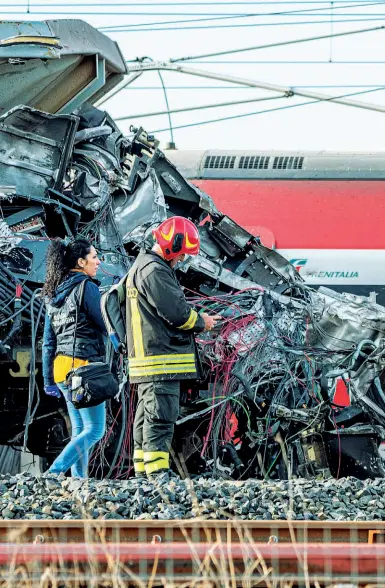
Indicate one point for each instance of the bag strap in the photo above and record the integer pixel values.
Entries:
(79, 299)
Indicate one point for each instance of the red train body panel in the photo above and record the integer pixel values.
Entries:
(306, 214)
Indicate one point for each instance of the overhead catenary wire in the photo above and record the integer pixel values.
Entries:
(202, 107)
(225, 3)
(249, 25)
(199, 87)
(93, 5)
(292, 62)
(244, 115)
(120, 13)
(236, 16)
(168, 112)
(278, 44)
(134, 76)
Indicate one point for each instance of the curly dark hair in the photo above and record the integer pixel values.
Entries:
(60, 260)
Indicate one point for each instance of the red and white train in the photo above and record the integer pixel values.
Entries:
(323, 211)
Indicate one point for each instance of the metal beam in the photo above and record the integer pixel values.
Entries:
(155, 66)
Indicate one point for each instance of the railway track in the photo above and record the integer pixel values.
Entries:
(195, 531)
(231, 553)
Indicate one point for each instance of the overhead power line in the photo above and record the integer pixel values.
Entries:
(323, 86)
(214, 17)
(288, 62)
(279, 44)
(128, 26)
(202, 107)
(285, 107)
(131, 78)
(232, 26)
(252, 3)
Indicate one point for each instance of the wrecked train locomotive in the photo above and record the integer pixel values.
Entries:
(265, 405)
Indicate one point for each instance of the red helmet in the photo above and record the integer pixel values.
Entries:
(176, 236)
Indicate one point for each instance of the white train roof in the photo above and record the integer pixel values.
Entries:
(217, 164)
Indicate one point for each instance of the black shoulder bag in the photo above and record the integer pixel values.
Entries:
(91, 384)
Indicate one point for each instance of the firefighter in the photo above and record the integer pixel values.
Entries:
(160, 341)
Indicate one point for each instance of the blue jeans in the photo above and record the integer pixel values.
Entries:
(88, 427)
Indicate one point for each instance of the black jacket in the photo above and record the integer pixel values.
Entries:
(160, 323)
(60, 321)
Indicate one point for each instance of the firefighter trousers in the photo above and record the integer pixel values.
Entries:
(156, 413)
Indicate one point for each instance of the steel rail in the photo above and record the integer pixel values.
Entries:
(192, 530)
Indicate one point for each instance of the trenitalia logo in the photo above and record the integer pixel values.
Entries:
(300, 263)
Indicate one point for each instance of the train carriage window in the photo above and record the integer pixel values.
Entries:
(219, 162)
(288, 163)
(253, 162)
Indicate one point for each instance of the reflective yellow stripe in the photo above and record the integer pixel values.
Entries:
(136, 322)
(138, 454)
(136, 328)
(138, 460)
(156, 460)
(152, 371)
(161, 359)
(27, 39)
(192, 319)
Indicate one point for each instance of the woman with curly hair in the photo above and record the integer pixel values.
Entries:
(73, 336)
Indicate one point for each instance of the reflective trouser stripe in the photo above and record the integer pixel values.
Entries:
(163, 370)
(138, 461)
(152, 365)
(162, 359)
(192, 319)
(136, 328)
(156, 460)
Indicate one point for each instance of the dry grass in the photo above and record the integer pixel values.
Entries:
(215, 570)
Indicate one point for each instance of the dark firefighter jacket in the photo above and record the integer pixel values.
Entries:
(160, 323)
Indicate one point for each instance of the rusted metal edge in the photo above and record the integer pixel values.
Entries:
(200, 523)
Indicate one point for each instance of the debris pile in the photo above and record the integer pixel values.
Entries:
(26, 497)
(265, 406)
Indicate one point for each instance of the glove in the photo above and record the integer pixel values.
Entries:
(52, 390)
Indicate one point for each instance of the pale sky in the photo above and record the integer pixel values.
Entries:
(342, 66)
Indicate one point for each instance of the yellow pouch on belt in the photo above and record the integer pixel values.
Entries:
(63, 364)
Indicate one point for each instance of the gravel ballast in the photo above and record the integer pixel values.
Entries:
(55, 497)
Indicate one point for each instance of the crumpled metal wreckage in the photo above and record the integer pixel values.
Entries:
(266, 404)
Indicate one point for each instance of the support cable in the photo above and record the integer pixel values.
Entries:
(126, 83)
(168, 107)
(236, 16)
(244, 115)
(281, 44)
(203, 107)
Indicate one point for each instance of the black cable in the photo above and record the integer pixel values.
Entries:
(123, 428)
(32, 378)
